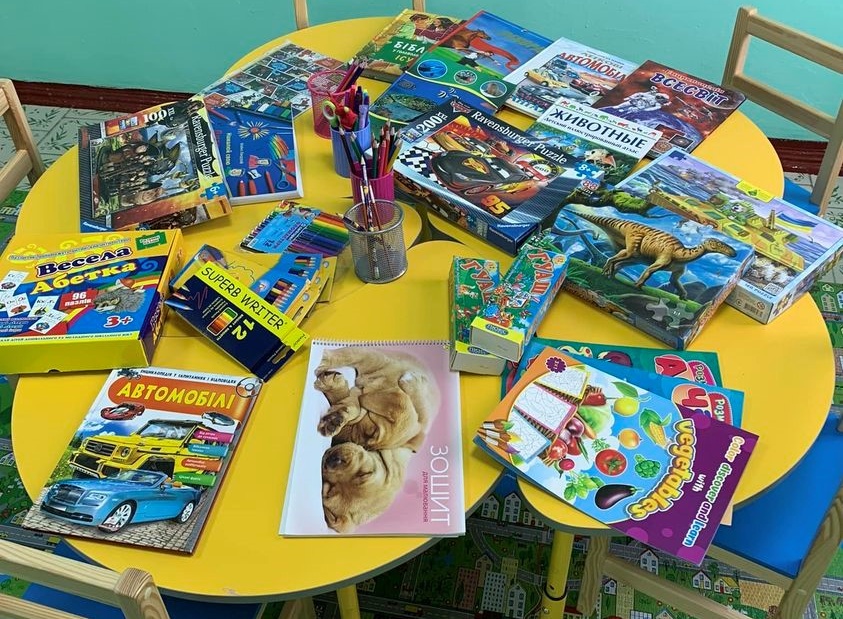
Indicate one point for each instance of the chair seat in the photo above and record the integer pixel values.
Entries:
(776, 529)
(799, 196)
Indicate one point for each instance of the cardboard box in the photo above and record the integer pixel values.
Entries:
(470, 284)
(84, 301)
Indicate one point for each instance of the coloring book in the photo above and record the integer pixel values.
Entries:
(378, 447)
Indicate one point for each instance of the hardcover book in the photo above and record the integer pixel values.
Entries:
(793, 248)
(397, 46)
(470, 63)
(378, 448)
(148, 459)
(487, 176)
(684, 108)
(155, 169)
(612, 144)
(567, 69)
(669, 489)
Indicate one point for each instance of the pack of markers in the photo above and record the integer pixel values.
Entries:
(299, 229)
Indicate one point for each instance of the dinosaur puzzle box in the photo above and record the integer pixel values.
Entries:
(648, 266)
(793, 248)
(80, 301)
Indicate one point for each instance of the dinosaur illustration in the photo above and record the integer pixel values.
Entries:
(465, 39)
(640, 243)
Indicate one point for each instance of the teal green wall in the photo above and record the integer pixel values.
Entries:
(182, 45)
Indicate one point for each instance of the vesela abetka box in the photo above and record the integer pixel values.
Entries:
(84, 301)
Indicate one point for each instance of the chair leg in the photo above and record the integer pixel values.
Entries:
(592, 577)
(348, 603)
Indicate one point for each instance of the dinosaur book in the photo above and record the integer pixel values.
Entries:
(649, 266)
(793, 248)
(487, 176)
(155, 169)
(469, 62)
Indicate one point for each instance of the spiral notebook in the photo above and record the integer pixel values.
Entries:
(378, 447)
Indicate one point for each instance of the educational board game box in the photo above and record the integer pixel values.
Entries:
(148, 459)
(487, 176)
(793, 248)
(612, 144)
(155, 169)
(396, 47)
(567, 69)
(470, 285)
(670, 489)
(469, 62)
(648, 266)
(686, 109)
(72, 302)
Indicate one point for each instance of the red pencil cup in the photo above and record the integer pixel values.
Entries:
(323, 87)
(383, 187)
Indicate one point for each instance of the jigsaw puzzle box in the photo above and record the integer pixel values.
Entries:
(486, 176)
(84, 301)
(793, 248)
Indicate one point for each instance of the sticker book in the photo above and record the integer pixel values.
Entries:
(567, 69)
(158, 168)
(469, 62)
(793, 248)
(596, 137)
(566, 426)
(71, 302)
(650, 267)
(378, 448)
(148, 459)
(487, 176)
(684, 108)
(396, 47)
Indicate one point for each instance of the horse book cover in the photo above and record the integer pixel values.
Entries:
(567, 426)
(147, 461)
(378, 448)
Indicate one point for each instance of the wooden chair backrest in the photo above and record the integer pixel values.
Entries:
(750, 24)
(25, 161)
(300, 11)
(132, 591)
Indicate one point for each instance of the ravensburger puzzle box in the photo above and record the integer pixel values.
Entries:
(83, 301)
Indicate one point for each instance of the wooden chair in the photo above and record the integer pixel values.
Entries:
(788, 537)
(26, 161)
(300, 11)
(750, 24)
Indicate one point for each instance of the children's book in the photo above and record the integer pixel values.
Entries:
(612, 144)
(567, 69)
(648, 266)
(378, 448)
(148, 459)
(487, 176)
(260, 160)
(470, 63)
(275, 84)
(793, 248)
(158, 168)
(684, 108)
(397, 46)
(669, 488)
(298, 228)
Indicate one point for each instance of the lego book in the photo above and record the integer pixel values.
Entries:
(793, 248)
(396, 47)
(567, 69)
(378, 449)
(684, 108)
(158, 168)
(148, 459)
(470, 63)
(487, 176)
(648, 266)
(619, 453)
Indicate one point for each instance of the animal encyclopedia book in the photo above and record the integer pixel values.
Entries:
(148, 459)
(378, 448)
(567, 427)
